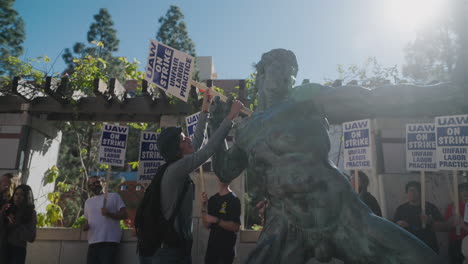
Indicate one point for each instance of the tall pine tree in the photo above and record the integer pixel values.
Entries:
(173, 31)
(101, 30)
(12, 35)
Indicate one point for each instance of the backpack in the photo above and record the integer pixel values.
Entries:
(152, 228)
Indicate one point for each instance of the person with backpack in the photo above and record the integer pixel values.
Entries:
(163, 221)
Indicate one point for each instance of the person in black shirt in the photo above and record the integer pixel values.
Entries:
(408, 216)
(366, 196)
(223, 220)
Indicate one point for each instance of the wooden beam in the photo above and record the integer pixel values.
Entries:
(54, 94)
(117, 91)
(101, 90)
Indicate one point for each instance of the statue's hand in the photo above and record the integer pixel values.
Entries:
(218, 111)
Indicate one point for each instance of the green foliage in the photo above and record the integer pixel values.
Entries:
(257, 227)
(432, 56)
(53, 197)
(79, 222)
(52, 217)
(24, 69)
(86, 70)
(102, 30)
(12, 36)
(103, 41)
(51, 175)
(173, 31)
(54, 214)
(134, 165)
(371, 74)
(123, 225)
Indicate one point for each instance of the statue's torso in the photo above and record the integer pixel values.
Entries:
(287, 146)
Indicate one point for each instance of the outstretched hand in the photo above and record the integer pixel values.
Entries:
(206, 101)
(235, 109)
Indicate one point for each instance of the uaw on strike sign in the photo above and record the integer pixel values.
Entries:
(421, 147)
(357, 145)
(192, 122)
(113, 145)
(452, 142)
(150, 158)
(169, 69)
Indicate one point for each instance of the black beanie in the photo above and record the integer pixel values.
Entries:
(168, 143)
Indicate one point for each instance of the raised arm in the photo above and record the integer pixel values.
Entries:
(199, 132)
(190, 162)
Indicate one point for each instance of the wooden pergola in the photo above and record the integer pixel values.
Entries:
(109, 102)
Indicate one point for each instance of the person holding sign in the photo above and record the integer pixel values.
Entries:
(182, 157)
(103, 223)
(455, 240)
(409, 217)
(366, 196)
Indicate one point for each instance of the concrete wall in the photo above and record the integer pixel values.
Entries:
(69, 246)
(32, 147)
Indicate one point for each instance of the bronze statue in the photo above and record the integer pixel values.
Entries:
(313, 212)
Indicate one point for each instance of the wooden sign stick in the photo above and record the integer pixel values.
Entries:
(223, 98)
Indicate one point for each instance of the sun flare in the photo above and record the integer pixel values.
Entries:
(412, 13)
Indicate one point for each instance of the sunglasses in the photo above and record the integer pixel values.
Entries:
(96, 183)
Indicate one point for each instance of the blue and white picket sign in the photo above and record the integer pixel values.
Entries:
(191, 122)
(149, 157)
(113, 145)
(169, 69)
(421, 147)
(357, 145)
(452, 142)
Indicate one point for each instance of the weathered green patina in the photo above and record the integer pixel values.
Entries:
(313, 211)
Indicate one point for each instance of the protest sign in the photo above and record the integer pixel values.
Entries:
(420, 147)
(357, 145)
(452, 142)
(169, 69)
(113, 145)
(149, 157)
(191, 122)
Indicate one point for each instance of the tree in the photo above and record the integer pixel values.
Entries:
(173, 31)
(12, 35)
(432, 56)
(370, 75)
(440, 52)
(460, 11)
(102, 42)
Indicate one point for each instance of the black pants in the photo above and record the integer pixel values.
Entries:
(16, 255)
(102, 253)
(454, 251)
(219, 257)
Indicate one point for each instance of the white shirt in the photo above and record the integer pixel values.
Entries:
(102, 228)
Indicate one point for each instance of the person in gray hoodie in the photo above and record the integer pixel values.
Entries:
(184, 157)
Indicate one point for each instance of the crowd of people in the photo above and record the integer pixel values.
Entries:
(424, 225)
(220, 213)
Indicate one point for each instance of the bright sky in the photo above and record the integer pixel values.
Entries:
(322, 33)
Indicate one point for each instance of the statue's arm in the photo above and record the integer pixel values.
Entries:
(229, 164)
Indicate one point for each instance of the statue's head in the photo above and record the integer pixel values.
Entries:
(276, 74)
